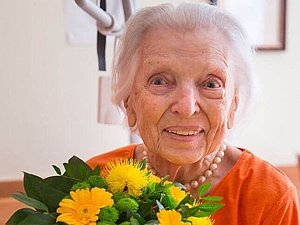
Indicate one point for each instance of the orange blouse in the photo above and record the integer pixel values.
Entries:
(255, 192)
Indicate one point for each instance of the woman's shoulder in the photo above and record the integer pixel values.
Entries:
(119, 153)
(257, 170)
(252, 173)
(255, 166)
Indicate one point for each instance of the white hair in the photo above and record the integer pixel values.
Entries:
(182, 17)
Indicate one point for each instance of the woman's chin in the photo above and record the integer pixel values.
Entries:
(183, 153)
(181, 156)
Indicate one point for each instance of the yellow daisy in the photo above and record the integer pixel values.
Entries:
(170, 217)
(177, 194)
(83, 206)
(126, 176)
(201, 220)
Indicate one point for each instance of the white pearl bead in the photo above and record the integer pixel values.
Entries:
(223, 147)
(201, 179)
(217, 160)
(194, 184)
(213, 167)
(144, 153)
(187, 187)
(220, 154)
(207, 173)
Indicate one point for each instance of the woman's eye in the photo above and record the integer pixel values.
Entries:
(160, 84)
(158, 81)
(212, 84)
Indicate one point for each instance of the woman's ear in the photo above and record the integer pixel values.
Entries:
(233, 108)
(131, 115)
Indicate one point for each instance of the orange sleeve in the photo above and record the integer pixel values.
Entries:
(285, 211)
(120, 153)
(256, 193)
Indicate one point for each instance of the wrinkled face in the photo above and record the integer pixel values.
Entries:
(183, 98)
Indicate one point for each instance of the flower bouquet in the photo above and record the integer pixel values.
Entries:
(124, 192)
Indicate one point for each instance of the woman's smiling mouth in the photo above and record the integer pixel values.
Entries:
(184, 132)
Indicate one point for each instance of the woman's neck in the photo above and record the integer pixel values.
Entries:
(180, 173)
(186, 173)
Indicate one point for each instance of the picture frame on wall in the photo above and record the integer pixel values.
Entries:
(264, 21)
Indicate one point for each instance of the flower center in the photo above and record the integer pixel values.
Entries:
(86, 211)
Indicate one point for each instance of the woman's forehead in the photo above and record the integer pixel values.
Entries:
(161, 46)
(165, 43)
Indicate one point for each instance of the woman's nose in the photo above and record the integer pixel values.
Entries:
(186, 102)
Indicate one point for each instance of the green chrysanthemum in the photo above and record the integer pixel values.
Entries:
(80, 185)
(125, 204)
(125, 223)
(109, 214)
(97, 181)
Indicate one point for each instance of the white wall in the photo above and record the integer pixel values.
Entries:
(273, 133)
(48, 94)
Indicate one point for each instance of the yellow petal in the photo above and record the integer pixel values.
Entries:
(170, 217)
(201, 220)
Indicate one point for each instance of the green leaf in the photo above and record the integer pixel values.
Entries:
(30, 217)
(187, 212)
(146, 208)
(168, 201)
(57, 169)
(49, 191)
(210, 207)
(54, 189)
(32, 185)
(78, 169)
(212, 198)
(202, 214)
(96, 170)
(139, 218)
(38, 219)
(30, 201)
(19, 216)
(203, 189)
(134, 221)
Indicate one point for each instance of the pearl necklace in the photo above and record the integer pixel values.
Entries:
(201, 179)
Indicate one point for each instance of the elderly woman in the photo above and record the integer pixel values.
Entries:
(183, 74)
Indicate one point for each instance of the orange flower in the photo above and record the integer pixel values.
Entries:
(83, 206)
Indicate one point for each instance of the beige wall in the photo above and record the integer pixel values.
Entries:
(48, 94)
(274, 131)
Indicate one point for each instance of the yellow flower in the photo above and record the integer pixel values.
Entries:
(201, 220)
(195, 203)
(154, 179)
(170, 217)
(177, 194)
(83, 206)
(126, 176)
